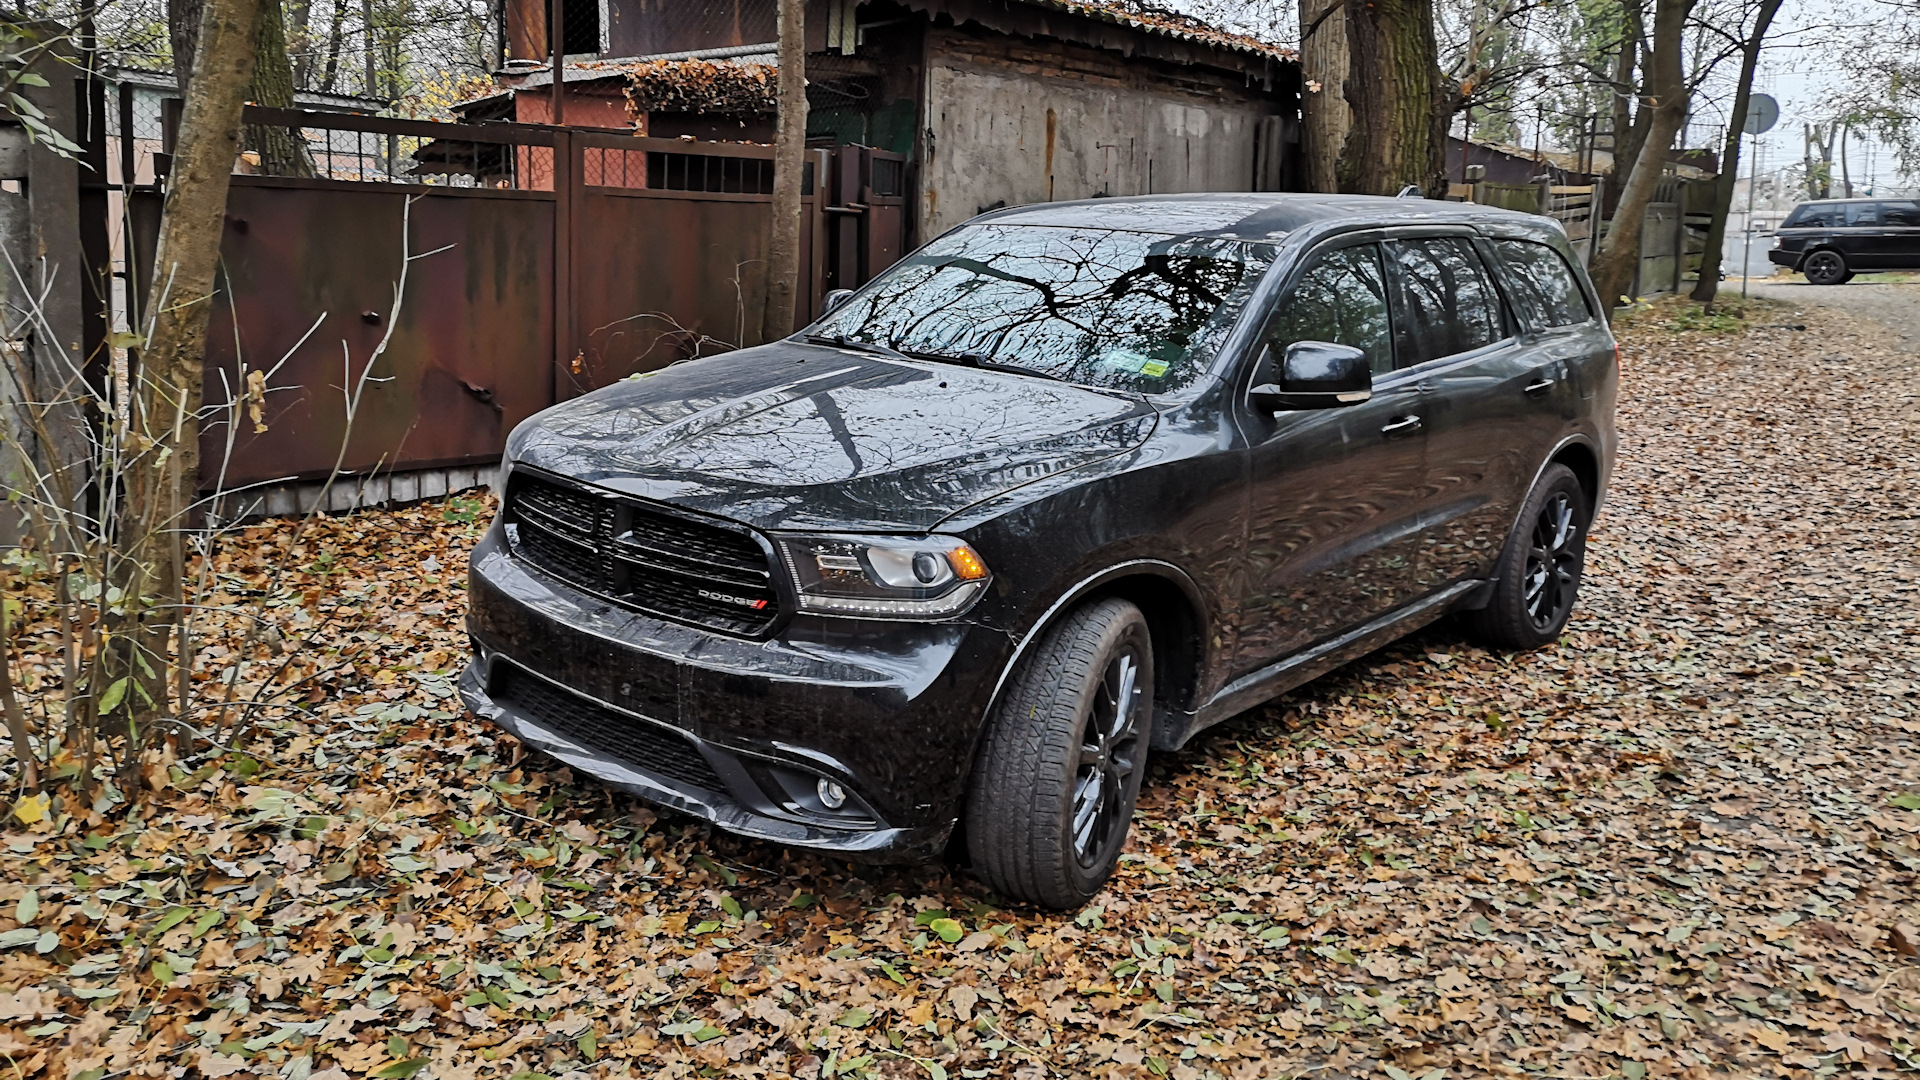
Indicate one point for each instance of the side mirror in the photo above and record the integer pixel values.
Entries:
(833, 299)
(1313, 375)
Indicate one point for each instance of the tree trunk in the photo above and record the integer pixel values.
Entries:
(789, 160)
(1622, 100)
(1631, 134)
(1708, 286)
(334, 32)
(300, 37)
(283, 151)
(1397, 95)
(1819, 169)
(1323, 70)
(372, 88)
(160, 464)
(1667, 102)
(183, 29)
(1846, 175)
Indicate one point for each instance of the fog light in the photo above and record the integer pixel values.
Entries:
(832, 795)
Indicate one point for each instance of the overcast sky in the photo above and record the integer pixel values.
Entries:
(1800, 68)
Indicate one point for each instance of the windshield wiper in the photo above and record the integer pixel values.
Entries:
(972, 360)
(975, 360)
(857, 345)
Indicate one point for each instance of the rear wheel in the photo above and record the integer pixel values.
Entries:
(1825, 268)
(1059, 769)
(1539, 573)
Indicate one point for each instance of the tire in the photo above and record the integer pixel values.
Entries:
(1059, 769)
(1825, 267)
(1538, 578)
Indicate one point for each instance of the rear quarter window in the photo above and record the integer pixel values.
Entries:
(1905, 215)
(1545, 282)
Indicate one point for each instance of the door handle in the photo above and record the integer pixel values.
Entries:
(1539, 387)
(1402, 426)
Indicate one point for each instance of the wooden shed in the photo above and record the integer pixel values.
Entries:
(992, 102)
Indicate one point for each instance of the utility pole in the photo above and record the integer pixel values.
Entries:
(1746, 250)
(557, 30)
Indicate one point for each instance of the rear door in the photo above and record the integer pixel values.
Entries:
(1900, 234)
(1473, 373)
(1861, 239)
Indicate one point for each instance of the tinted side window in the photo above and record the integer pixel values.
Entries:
(1809, 216)
(1902, 214)
(1450, 306)
(1542, 274)
(1341, 298)
(1863, 214)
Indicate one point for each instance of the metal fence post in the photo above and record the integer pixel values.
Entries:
(566, 371)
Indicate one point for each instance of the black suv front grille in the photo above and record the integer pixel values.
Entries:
(646, 746)
(693, 571)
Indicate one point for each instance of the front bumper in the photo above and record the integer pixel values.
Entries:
(737, 731)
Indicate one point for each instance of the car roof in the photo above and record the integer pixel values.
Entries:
(1258, 215)
(1856, 199)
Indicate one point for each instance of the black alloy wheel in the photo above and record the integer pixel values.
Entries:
(1109, 756)
(1059, 768)
(1825, 268)
(1538, 577)
(1553, 563)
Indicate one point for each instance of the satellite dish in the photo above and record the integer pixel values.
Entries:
(1762, 113)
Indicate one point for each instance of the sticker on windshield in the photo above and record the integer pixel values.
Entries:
(1133, 363)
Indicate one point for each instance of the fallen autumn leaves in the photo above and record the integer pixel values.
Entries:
(1683, 842)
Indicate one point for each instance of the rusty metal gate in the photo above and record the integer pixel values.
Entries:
(530, 264)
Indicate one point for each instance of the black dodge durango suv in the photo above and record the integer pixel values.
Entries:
(1071, 482)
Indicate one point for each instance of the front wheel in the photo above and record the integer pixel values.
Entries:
(1059, 769)
(1825, 268)
(1539, 573)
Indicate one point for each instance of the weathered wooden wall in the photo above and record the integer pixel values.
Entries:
(1015, 122)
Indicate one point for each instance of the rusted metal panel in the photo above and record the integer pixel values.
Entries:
(663, 273)
(648, 250)
(469, 355)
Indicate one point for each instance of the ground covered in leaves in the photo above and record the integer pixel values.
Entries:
(1685, 842)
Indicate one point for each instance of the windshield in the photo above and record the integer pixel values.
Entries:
(1123, 310)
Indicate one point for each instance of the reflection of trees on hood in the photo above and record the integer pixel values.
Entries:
(1057, 298)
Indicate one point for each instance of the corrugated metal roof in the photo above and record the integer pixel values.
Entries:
(1167, 24)
(1115, 12)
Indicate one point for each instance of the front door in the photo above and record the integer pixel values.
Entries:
(1333, 537)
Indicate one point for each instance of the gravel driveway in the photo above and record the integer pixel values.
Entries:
(1892, 306)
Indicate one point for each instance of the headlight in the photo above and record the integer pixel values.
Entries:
(884, 577)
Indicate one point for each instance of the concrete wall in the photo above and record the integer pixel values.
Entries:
(300, 498)
(1014, 122)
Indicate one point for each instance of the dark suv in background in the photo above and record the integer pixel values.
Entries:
(1831, 240)
(1072, 481)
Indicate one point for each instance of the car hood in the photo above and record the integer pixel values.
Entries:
(801, 436)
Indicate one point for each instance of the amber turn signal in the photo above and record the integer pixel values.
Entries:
(966, 562)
